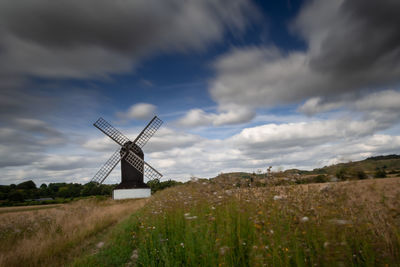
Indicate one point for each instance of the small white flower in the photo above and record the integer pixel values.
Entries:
(304, 219)
(279, 197)
(182, 245)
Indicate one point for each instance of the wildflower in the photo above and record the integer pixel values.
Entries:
(257, 226)
(326, 244)
(135, 255)
(279, 197)
(271, 231)
(213, 208)
(339, 221)
(182, 245)
(304, 219)
(222, 250)
(186, 214)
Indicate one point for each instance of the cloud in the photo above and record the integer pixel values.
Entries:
(26, 141)
(81, 39)
(303, 134)
(231, 115)
(141, 111)
(341, 60)
(301, 145)
(316, 105)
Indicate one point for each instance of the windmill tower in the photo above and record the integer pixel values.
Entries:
(133, 166)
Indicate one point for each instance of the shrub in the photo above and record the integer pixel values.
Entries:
(341, 174)
(320, 179)
(380, 173)
(361, 175)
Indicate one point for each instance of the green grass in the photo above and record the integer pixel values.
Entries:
(195, 226)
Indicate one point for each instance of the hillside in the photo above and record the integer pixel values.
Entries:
(374, 167)
(391, 164)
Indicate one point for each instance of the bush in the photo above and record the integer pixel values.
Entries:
(319, 179)
(380, 173)
(341, 174)
(361, 175)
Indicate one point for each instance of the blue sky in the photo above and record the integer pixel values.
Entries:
(241, 85)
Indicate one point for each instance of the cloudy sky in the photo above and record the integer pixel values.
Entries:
(240, 85)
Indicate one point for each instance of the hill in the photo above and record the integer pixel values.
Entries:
(373, 167)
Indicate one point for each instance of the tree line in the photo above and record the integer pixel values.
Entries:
(28, 192)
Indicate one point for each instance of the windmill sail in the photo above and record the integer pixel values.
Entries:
(149, 172)
(110, 164)
(110, 131)
(148, 132)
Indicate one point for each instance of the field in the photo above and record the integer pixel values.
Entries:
(52, 235)
(353, 223)
(214, 223)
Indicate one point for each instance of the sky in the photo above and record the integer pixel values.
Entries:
(240, 85)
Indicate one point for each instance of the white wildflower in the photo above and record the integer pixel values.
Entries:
(304, 219)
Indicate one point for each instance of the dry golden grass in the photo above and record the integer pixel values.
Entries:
(43, 237)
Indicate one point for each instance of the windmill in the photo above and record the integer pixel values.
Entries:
(133, 166)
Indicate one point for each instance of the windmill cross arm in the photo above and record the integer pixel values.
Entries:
(148, 132)
(148, 171)
(110, 131)
(106, 169)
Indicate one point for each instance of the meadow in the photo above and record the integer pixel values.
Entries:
(209, 223)
(53, 235)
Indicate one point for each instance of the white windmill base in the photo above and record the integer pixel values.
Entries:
(131, 193)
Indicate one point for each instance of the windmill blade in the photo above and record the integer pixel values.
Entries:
(149, 172)
(110, 164)
(148, 132)
(110, 131)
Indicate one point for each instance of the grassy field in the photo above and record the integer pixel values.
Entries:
(53, 235)
(354, 223)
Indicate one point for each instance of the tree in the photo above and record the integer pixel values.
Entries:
(43, 186)
(27, 185)
(16, 196)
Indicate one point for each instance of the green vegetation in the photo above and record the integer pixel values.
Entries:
(203, 224)
(26, 193)
(157, 185)
(380, 173)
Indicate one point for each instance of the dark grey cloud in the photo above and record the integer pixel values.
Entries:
(94, 38)
(353, 49)
(367, 37)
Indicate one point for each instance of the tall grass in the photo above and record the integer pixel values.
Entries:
(349, 224)
(45, 237)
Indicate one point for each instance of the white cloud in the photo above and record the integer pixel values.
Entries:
(315, 105)
(141, 111)
(233, 114)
